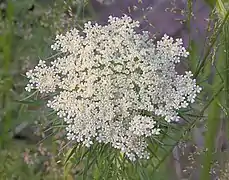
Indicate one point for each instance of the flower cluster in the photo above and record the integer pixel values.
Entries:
(112, 83)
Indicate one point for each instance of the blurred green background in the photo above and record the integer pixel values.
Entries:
(27, 29)
(32, 146)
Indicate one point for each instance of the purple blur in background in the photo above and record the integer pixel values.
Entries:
(158, 13)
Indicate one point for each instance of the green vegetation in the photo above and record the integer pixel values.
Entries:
(27, 28)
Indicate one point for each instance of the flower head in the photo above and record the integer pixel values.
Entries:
(112, 83)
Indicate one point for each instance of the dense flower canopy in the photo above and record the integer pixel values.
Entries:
(112, 83)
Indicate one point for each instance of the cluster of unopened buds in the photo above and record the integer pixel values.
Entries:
(111, 84)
